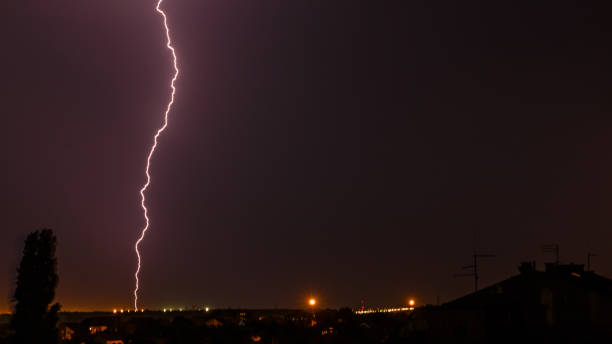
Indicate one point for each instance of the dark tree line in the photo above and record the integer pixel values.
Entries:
(35, 319)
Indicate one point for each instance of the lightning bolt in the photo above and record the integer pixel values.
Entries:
(152, 150)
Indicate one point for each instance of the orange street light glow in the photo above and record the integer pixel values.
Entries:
(411, 302)
(312, 302)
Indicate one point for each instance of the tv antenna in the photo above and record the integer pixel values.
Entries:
(474, 267)
(589, 255)
(552, 248)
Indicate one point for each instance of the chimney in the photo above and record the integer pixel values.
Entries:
(527, 267)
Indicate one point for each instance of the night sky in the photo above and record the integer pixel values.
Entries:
(344, 149)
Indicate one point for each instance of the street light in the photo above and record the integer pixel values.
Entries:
(312, 302)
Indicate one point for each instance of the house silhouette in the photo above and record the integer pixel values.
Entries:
(563, 302)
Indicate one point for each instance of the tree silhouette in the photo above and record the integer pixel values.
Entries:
(34, 321)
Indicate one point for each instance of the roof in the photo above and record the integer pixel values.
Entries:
(527, 287)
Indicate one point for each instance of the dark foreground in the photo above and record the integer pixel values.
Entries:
(424, 325)
(229, 326)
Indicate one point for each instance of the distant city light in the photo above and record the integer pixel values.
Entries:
(411, 302)
(164, 310)
(121, 310)
(384, 310)
(312, 302)
(114, 311)
(207, 309)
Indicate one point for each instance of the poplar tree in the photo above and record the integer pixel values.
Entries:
(34, 319)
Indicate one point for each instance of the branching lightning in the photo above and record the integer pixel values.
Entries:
(152, 150)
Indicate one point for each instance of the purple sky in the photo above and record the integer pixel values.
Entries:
(346, 149)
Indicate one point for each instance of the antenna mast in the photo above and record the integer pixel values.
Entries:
(474, 268)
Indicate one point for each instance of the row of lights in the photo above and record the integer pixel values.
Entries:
(115, 311)
(121, 311)
(311, 302)
(411, 304)
(385, 310)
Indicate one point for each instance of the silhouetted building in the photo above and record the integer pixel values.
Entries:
(563, 300)
(97, 329)
(213, 323)
(66, 333)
